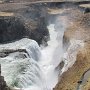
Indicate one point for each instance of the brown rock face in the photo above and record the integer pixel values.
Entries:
(11, 28)
(70, 79)
(79, 30)
(14, 27)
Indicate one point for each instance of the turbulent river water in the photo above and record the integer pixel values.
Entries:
(51, 57)
(26, 66)
(29, 67)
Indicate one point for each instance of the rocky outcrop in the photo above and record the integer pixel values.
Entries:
(70, 79)
(17, 27)
(35, 20)
(11, 28)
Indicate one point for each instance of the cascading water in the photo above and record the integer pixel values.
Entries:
(20, 67)
(26, 66)
(51, 56)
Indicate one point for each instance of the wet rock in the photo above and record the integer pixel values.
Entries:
(11, 28)
(60, 66)
(14, 28)
(35, 21)
(27, 22)
(3, 85)
(87, 10)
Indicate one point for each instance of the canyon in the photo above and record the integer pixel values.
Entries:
(51, 43)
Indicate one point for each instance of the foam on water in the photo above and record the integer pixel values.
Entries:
(51, 57)
(21, 69)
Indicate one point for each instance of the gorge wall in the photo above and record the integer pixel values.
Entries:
(78, 30)
(14, 28)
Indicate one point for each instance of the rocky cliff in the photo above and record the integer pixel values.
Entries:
(24, 25)
(78, 30)
(32, 22)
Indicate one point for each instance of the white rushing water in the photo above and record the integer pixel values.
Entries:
(21, 69)
(51, 57)
(32, 68)
(26, 66)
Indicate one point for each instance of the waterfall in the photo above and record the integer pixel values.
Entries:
(20, 66)
(51, 56)
(26, 66)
